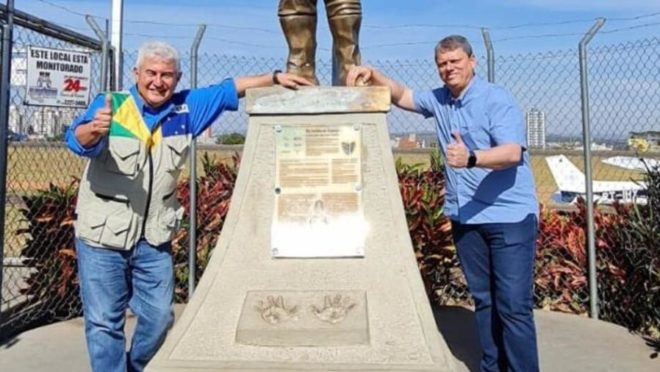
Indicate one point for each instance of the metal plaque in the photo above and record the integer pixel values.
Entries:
(318, 199)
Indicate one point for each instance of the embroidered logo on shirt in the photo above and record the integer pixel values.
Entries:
(179, 109)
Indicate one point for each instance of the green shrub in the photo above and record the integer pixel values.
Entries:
(640, 251)
(230, 139)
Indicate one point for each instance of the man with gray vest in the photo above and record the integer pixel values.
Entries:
(137, 143)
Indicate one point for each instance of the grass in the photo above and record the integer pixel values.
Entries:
(34, 166)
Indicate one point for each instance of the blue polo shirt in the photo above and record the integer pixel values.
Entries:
(486, 115)
(204, 105)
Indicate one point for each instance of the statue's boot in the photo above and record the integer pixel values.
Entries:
(298, 21)
(344, 18)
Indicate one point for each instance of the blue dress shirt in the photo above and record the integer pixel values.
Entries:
(486, 115)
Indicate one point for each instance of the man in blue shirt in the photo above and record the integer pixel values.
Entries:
(490, 197)
(137, 142)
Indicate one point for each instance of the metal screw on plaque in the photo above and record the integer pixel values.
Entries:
(278, 191)
(275, 251)
(359, 251)
(357, 187)
(278, 128)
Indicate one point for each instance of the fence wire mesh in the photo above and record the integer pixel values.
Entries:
(625, 106)
(36, 267)
(624, 98)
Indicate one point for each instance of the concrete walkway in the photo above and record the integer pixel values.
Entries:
(566, 343)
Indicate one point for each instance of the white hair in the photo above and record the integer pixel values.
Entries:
(158, 49)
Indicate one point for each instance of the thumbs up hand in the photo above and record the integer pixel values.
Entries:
(457, 152)
(101, 122)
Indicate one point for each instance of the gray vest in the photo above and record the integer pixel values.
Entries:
(129, 190)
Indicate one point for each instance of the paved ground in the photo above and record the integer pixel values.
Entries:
(566, 343)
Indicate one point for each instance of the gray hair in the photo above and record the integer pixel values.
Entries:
(158, 49)
(453, 42)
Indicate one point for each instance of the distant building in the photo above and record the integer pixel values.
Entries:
(408, 143)
(535, 120)
(47, 122)
(644, 141)
(595, 147)
(15, 119)
(414, 141)
(428, 140)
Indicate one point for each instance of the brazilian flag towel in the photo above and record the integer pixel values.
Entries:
(127, 121)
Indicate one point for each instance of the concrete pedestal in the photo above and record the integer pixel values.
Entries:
(363, 309)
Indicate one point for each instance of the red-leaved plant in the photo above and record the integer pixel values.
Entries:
(214, 190)
(423, 195)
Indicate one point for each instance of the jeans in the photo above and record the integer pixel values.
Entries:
(111, 281)
(498, 263)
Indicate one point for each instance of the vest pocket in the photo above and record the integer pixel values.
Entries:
(105, 229)
(116, 231)
(168, 222)
(169, 219)
(122, 155)
(91, 227)
(176, 153)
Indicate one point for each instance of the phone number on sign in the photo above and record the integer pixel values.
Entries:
(73, 102)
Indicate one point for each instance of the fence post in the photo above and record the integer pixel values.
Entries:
(117, 36)
(112, 78)
(5, 86)
(192, 233)
(103, 86)
(108, 57)
(586, 138)
(490, 54)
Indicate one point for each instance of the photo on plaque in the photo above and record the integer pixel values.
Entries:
(318, 192)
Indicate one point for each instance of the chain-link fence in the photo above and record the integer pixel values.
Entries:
(419, 74)
(624, 102)
(37, 160)
(623, 98)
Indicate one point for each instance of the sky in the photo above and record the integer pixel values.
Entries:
(390, 29)
(535, 43)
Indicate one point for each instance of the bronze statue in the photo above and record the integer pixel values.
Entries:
(298, 20)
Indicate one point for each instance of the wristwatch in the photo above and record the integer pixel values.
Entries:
(472, 160)
(276, 81)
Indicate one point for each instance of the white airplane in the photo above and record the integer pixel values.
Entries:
(632, 163)
(571, 185)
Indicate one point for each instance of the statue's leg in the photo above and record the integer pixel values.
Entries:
(298, 20)
(344, 18)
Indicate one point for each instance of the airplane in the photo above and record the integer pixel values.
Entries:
(632, 162)
(571, 185)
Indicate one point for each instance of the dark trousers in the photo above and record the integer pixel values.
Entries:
(498, 263)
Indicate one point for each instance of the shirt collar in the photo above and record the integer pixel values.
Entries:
(465, 94)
